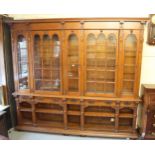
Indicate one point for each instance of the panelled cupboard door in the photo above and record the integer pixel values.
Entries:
(73, 62)
(100, 62)
(130, 62)
(21, 58)
(47, 61)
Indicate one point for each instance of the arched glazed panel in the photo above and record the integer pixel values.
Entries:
(130, 52)
(73, 63)
(47, 62)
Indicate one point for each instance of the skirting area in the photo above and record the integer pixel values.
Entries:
(20, 135)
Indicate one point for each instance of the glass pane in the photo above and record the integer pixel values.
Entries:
(47, 62)
(101, 53)
(73, 63)
(47, 51)
(130, 49)
(22, 62)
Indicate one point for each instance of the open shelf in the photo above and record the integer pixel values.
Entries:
(53, 124)
(49, 111)
(99, 114)
(26, 109)
(73, 122)
(76, 113)
(125, 123)
(99, 123)
(52, 120)
(26, 117)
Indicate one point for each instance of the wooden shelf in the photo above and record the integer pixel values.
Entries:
(99, 114)
(49, 123)
(105, 82)
(27, 121)
(100, 70)
(96, 127)
(129, 65)
(25, 109)
(47, 80)
(126, 116)
(49, 111)
(73, 78)
(125, 128)
(48, 68)
(128, 80)
(77, 113)
(73, 125)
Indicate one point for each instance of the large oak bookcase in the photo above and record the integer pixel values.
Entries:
(78, 76)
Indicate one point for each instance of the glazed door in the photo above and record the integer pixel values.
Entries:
(130, 68)
(21, 59)
(47, 69)
(73, 62)
(100, 62)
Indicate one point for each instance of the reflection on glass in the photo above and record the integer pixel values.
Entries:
(47, 62)
(130, 49)
(22, 62)
(73, 63)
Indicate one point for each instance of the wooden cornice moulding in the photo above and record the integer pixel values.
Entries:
(112, 19)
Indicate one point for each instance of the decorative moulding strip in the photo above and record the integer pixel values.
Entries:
(79, 19)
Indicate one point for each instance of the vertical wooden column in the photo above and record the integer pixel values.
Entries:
(117, 116)
(82, 114)
(134, 117)
(65, 114)
(120, 60)
(19, 119)
(82, 59)
(33, 105)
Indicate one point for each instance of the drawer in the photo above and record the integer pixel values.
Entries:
(152, 98)
(150, 121)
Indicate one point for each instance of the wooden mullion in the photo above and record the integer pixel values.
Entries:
(117, 117)
(134, 118)
(120, 63)
(33, 105)
(19, 117)
(82, 115)
(65, 114)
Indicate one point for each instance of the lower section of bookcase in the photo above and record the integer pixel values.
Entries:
(75, 132)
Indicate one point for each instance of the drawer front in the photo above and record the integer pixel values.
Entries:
(150, 121)
(152, 98)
